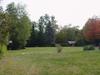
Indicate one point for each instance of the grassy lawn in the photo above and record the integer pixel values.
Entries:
(46, 61)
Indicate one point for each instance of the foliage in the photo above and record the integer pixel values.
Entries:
(4, 31)
(34, 36)
(91, 30)
(50, 29)
(69, 33)
(89, 47)
(41, 29)
(43, 32)
(20, 26)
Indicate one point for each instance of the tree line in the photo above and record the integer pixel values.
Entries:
(43, 32)
(17, 31)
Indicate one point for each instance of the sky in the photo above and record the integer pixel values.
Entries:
(75, 12)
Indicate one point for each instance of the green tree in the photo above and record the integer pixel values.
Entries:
(34, 36)
(50, 29)
(41, 30)
(4, 31)
(20, 26)
(69, 33)
(61, 37)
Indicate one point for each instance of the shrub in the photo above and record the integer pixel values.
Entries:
(59, 48)
(89, 47)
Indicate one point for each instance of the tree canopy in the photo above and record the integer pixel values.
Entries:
(20, 26)
(91, 30)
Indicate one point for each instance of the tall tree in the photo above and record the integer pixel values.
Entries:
(20, 26)
(91, 30)
(50, 30)
(41, 31)
(4, 30)
(34, 36)
(54, 28)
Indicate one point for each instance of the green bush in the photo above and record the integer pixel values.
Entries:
(89, 47)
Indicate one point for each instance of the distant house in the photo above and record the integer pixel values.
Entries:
(72, 43)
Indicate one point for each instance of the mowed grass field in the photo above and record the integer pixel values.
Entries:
(46, 61)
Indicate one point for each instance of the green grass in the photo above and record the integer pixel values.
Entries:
(46, 61)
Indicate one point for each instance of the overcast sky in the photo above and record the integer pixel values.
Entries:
(75, 12)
